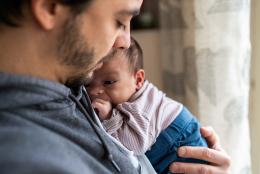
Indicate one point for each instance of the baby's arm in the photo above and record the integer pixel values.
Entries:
(103, 108)
(183, 131)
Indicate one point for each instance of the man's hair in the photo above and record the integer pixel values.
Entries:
(134, 55)
(11, 11)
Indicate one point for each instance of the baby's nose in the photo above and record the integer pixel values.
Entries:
(96, 91)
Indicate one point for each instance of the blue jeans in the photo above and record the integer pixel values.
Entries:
(183, 131)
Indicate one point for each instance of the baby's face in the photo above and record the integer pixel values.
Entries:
(113, 82)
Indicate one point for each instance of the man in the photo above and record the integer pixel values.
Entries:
(44, 126)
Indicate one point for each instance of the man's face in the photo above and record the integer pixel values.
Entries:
(87, 38)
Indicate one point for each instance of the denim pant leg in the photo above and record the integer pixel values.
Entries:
(183, 131)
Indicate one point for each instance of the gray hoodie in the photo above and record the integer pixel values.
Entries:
(45, 129)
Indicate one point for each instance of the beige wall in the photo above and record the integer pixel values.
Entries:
(149, 41)
(255, 88)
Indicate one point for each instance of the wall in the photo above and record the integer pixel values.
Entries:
(255, 88)
(149, 41)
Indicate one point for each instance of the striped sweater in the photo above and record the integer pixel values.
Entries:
(138, 122)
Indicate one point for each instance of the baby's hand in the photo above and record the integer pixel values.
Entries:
(103, 107)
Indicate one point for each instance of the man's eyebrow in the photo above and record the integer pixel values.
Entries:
(133, 13)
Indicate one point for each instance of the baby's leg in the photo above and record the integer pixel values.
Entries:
(183, 131)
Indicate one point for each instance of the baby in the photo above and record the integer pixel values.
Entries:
(138, 114)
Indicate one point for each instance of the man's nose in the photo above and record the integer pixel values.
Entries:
(123, 40)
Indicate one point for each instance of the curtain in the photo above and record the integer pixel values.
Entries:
(206, 65)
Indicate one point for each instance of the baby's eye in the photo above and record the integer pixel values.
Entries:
(109, 82)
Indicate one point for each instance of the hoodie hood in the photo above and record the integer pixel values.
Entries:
(21, 91)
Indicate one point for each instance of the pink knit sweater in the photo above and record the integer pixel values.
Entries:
(138, 122)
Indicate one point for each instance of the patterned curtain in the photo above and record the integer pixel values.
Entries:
(206, 64)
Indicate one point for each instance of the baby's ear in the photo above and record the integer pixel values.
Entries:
(139, 77)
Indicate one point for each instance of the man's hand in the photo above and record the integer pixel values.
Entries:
(219, 161)
(104, 108)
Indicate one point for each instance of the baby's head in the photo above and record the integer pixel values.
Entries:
(120, 76)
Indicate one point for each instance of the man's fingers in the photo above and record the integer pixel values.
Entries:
(213, 156)
(211, 137)
(219, 161)
(191, 168)
(206, 131)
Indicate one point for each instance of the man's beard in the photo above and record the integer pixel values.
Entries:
(75, 54)
(83, 79)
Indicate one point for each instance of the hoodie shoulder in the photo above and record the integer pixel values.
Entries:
(27, 149)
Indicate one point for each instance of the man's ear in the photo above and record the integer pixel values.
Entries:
(47, 13)
(140, 77)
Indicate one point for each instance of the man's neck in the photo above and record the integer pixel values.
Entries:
(21, 53)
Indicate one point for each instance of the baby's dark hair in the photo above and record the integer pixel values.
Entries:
(134, 54)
